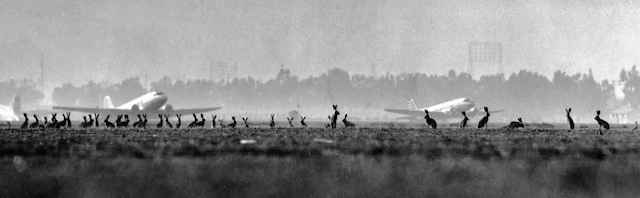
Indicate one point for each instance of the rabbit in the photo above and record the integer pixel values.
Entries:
(90, 123)
(25, 124)
(213, 121)
(463, 123)
(571, 125)
(601, 122)
(272, 124)
(290, 124)
(233, 124)
(246, 120)
(135, 124)
(179, 121)
(84, 123)
(302, 121)
(195, 120)
(161, 123)
(68, 119)
(430, 121)
(97, 116)
(335, 116)
(44, 125)
(126, 121)
(514, 124)
(63, 122)
(483, 122)
(201, 123)
(54, 121)
(107, 123)
(143, 124)
(166, 119)
(347, 124)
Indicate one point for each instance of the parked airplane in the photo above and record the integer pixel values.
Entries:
(8, 113)
(150, 103)
(446, 110)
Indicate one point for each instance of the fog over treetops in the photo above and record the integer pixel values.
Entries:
(114, 40)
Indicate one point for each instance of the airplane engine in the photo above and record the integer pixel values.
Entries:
(135, 108)
(168, 107)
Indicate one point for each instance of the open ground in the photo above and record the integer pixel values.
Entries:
(378, 160)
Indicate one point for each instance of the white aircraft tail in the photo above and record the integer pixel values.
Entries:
(411, 105)
(15, 104)
(107, 102)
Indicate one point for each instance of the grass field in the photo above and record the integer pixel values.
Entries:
(382, 161)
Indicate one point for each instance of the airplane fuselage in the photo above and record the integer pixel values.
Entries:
(447, 110)
(456, 105)
(149, 101)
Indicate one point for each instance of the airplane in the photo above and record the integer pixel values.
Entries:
(150, 103)
(443, 111)
(8, 113)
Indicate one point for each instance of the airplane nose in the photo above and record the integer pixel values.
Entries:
(163, 98)
(471, 104)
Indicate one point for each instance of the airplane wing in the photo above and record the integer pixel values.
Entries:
(97, 110)
(192, 111)
(417, 113)
(109, 111)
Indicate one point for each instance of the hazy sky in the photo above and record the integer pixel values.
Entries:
(108, 40)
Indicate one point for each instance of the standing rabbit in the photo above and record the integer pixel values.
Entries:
(571, 125)
(483, 122)
(246, 120)
(601, 122)
(302, 121)
(272, 124)
(464, 121)
(430, 121)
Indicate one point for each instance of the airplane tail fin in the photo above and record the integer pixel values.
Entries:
(15, 104)
(107, 102)
(411, 105)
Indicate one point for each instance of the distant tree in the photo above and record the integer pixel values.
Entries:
(27, 89)
(65, 95)
(631, 87)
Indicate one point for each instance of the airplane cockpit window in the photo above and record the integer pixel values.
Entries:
(159, 93)
(466, 100)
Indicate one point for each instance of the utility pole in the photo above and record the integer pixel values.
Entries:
(42, 73)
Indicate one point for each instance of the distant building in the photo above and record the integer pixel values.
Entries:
(622, 115)
(617, 90)
(485, 58)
